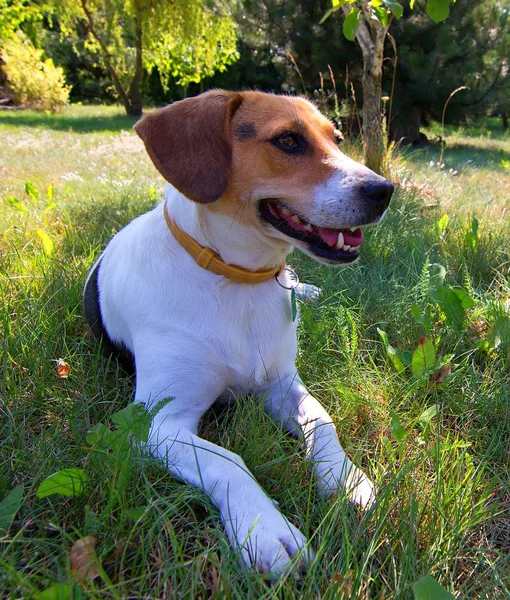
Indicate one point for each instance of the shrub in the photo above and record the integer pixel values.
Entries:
(37, 82)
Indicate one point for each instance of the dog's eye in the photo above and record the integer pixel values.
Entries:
(339, 138)
(289, 142)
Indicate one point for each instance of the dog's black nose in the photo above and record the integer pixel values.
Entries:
(378, 191)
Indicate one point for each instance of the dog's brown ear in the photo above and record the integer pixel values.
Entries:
(190, 143)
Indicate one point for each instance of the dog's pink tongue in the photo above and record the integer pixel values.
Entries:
(353, 238)
(330, 236)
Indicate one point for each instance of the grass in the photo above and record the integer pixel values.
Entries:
(442, 508)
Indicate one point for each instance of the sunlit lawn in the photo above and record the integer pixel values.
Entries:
(442, 507)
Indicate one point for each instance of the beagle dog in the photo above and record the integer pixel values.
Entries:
(196, 296)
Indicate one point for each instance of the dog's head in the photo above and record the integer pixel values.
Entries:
(277, 158)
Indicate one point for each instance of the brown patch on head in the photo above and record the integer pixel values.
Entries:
(245, 131)
(260, 168)
(190, 143)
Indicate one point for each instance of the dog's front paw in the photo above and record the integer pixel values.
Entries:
(357, 485)
(359, 488)
(266, 540)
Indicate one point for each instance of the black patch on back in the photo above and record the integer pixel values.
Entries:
(92, 310)
(245, 131)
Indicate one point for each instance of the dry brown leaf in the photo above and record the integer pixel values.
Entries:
(83, 558)
(438, 377)
(63, 369)
(344, 583)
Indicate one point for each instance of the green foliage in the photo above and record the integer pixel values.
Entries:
(16, 13)
(9, 507)
(36, 81)
(67, 482)
(471, 237)
(427, 588)
(383, 11)
(453, 301)
(185, 40)
(395, 356)
(132, 422)
(441, 488)
(424, 357)
(351, 24)
(60, 591)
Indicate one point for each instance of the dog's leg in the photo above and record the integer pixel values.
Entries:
(263, 536)
(290, 404)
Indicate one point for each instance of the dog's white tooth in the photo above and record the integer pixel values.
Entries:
(352, 250)
(285, 212)
(346, 248)
(295, 218)
(340, 241)
(307, 227)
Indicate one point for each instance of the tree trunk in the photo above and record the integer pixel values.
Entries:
(135, 97)
(125, 97)
(370, 36)
(372, 116)
(504, 119)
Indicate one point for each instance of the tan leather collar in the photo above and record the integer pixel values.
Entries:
(209, 260)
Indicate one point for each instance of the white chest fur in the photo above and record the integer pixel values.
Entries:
(150, 288)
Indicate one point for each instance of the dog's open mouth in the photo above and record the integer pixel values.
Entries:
(333, 245)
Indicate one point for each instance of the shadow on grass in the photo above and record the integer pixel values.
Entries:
(458, 156)
(78, 123)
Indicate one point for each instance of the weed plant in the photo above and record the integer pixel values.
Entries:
(434, 434)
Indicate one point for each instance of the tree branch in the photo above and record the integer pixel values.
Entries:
(115, 78)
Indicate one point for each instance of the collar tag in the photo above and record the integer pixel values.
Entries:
(293, 304)
(294, 282)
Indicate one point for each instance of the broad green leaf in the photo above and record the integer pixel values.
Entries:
(438, 10)
(67, 482)
(424, 357)
(474, 225)
(57, 591)
(31, 190)
(392, 353)
(382, 15)
(427, 415)
(135, 420)
(17, 204)
(100, 436)
(411, 4)
(421, 318)
(396, 8)
(450, 304)
(50, 206)
(499, 333)
(351, 24)
(47, 242)
(442, 224)
(407, 357)
(465, 298)
(437, 274)
(398, 432)
(9, 507)
(49, 193)
(135, 513)
(427, 588)
(471, 240)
